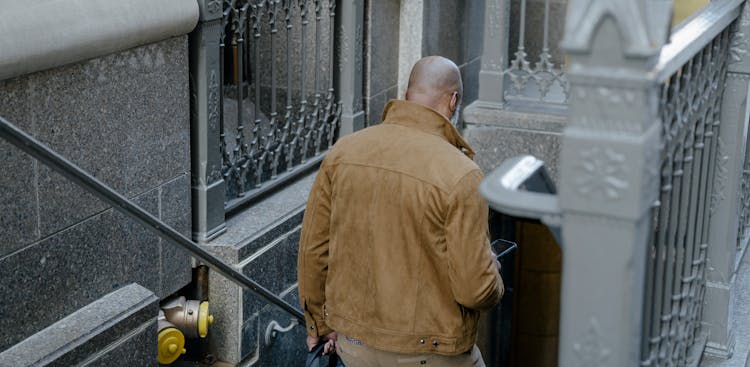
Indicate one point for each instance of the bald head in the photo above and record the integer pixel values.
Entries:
(435, 82)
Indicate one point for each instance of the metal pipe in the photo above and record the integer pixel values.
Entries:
(522, 27)
(226, 161)
(316, 86)
(302, 123)
(272, 144)
(257, 155)
(80, 177)
(289, 116)
(545, 43)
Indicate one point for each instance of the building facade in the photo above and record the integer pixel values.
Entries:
(212, 116)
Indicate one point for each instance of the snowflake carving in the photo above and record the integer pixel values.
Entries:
(721, 175)
(213, 101)
(358, 62)
(345, 46)
(214, 6)
(653, 163)
(602, 174)
(591, 351)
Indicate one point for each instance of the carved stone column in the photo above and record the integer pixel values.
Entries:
(494, 54)
(725, 205)
(609, 177)
(207, 184)
(351, 28)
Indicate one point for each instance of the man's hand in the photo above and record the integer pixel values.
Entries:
(329, 339)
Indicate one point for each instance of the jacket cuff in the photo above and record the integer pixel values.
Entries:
(314, 326)
(317, 328)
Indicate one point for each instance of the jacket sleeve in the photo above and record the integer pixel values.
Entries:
(312, 260)
(474, 278)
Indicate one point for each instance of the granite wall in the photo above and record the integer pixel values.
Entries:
(497, 135)
(450, 28)
(454, 28)
(125, 119)
(381, 56)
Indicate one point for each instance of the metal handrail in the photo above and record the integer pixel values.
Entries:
(28, 144)
(502, 191)
(693, 35)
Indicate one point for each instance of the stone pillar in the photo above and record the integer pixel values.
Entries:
(495, 54)
(608, 177)
(725, 205)
(411, 23)
(351, 23)
(208, 191)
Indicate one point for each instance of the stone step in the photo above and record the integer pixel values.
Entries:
(117, 329)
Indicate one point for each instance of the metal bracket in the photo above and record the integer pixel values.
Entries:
(502, 191)
(274, 328)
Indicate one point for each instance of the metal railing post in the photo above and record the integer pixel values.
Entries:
(494, 54)
(609, 177)
(725, 198)
(350, 24)
(207, 184)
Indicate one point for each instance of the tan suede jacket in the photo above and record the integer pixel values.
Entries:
(394, 249)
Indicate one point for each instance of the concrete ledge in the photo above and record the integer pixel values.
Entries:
(39, 35)
(109, 324)
(542, 118)
(261, 241)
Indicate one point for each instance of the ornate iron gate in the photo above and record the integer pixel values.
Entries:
(273, 83)
(279, 112)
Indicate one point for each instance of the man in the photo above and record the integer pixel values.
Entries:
(394, 261)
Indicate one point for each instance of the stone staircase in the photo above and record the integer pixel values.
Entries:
(117, 329)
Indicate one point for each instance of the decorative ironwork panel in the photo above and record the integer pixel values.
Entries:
(689, 108)
(539, 77)
(279, 110)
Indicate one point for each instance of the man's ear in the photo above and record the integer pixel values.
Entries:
(454, 102)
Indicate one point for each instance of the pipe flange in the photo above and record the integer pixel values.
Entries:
(171, 345)
(190, 316)
(204, 319)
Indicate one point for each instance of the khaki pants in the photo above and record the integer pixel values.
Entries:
(355, 354)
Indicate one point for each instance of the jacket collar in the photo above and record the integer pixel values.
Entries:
(417, 116)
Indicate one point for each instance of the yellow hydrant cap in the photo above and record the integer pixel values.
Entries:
(171, 345)
(204, 319)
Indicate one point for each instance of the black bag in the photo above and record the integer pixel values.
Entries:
(316, 354)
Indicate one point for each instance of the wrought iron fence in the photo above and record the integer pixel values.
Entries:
(689, 108)
(279, 111)
(539, 76)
